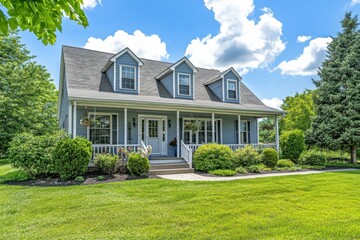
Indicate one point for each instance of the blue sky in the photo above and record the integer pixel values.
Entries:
(275, 45)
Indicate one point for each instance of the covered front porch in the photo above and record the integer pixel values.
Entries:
(131, 127)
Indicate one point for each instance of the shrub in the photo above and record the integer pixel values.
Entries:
(138, 165)
(246, 157)
(72, 157)
(107, 163)
(241, 170)
(270, 157)
(223, 172)
(313, 158)
(213, 156)
(258, 168)
(292, 144)
(285, 163)
(33, 154)
(80, 179)
(100, 177)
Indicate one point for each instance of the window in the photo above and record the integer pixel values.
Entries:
(231, 89)
(127, 77)
(184, 84)
(153, 128)
(244, 132)
(100, 129)
(204, 135)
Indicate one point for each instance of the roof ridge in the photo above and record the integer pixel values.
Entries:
(87, 49)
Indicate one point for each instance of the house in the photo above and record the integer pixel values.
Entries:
(132, 102)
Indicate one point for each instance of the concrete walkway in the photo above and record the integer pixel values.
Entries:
(197, 177)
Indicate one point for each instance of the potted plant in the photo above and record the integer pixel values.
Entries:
(85, 122)
(193, 126)
(173, 143)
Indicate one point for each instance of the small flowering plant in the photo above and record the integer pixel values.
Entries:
(173, 142)
(145, 152)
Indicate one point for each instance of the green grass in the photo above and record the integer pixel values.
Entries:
(7, 173)
(320, 206)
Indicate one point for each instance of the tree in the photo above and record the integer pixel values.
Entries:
(337, 104)
(300, 111)
(267, 130)
(42, 17)
(27, 94)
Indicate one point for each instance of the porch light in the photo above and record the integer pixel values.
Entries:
(169, 123)
(134, 122)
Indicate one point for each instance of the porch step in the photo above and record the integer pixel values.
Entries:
(168, 166)
(167, 161)
(171, 171)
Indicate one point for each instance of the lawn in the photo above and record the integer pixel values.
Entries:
(320, 206)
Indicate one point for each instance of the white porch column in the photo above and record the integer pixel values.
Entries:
(70, 120)
(125, 127)
(239, 131)
(177, 134)
(277, 133)
(213, 126)
(74, 121)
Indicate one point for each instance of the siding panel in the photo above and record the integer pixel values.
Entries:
(184, 68)
(167, 81)
(232, 76)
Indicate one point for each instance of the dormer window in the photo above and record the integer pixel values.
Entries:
(127, 77)
(232, 89)
(184, 84)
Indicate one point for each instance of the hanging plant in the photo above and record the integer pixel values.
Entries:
(193, 126)
(85, 122)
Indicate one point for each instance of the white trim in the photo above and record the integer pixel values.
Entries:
(74, 120)
(184, 59)
(127, 50)
(227, 89)
(173, 84)
(117, 127)
(111, 126)
(120, 79)
(277, 133)
(223, 89)
(70, 120)
(177, 133)
(257, 129)
(138, 77)
(125, 127)
(178, 84)
(239, 131)
(115, 65)
(213, 126)
(193, 82)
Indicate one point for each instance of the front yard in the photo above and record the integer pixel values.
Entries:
(295, 207)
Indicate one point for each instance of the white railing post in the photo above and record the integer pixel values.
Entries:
(125, 127)
(186, 153)
(277, 133)
(74, 120)
(177, 134)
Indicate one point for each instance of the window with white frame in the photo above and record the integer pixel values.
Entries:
(184, 84)
(231, 89)
(204, 135)
(128, 77)
(100, 128)
(244, 132)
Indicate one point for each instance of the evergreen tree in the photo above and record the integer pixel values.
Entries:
(336, 125)
(267, 130)
(27, 94)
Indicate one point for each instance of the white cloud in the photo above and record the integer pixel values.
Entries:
(241, 42)
(273, 102)
(354, 2)
(309, 61)
(142, 45)
(89, 4)
(303, 39)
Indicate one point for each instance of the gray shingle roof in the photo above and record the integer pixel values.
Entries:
(85, 80)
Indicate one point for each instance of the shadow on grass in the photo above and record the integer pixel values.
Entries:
(4, 161)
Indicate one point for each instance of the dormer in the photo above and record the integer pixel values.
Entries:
(179, 79)
(226, 86)
(123, 71)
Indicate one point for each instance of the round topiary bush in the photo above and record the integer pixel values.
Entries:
(292, 144)
(313, 158)
(247, 156)
(270, 157)
(72, 157)
(285, 163)
(138, 165)
(213, 156)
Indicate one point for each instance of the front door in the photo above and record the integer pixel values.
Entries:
(153, 136)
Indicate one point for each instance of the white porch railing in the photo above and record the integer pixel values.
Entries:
(112, 148)
(186, 153)
(233, 147)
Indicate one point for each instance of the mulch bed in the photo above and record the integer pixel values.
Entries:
(90, 178)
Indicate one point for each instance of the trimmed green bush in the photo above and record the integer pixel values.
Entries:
(72, 157)
(138, 165)
(258, 168)
(285, 163)
(223, 172)
(107, 163)
(33, 154)
(80, 179)
(292, 144)
(241, 170)
(246, 157)
(270, 157)
(213, 156)
(313, 158)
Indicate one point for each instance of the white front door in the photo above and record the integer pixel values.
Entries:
(153, 135)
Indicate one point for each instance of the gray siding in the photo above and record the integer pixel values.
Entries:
(184, 68)
(64, 107)
(216, 87)
(127, 60)
(110, 75)
(231, 75)
(168, 83)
